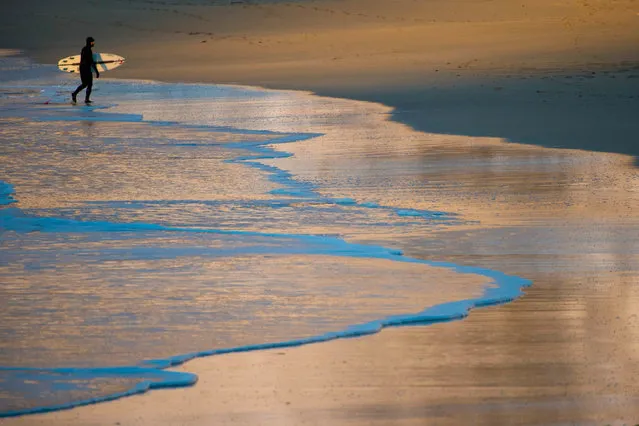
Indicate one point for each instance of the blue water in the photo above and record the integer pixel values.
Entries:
(157, 227)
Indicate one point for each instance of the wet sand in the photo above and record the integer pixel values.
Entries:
(566, 353)
(524, 371)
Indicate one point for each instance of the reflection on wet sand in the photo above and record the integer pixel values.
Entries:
(566, 352)
(145, 242)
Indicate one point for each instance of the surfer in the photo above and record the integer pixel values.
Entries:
(87, 66)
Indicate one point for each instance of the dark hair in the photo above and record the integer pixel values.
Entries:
(90, 40)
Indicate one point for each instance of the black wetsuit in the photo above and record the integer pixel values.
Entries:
(87, 66)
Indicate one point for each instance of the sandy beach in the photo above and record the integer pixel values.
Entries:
(518, 116)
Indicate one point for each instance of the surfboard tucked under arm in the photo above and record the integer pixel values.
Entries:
(103, 61)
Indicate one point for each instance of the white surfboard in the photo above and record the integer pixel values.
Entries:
(103, 61)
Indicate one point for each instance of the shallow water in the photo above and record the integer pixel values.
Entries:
(148, 229)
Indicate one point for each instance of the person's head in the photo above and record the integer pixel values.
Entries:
(90, 41)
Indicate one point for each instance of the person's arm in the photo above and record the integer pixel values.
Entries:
(95, 67)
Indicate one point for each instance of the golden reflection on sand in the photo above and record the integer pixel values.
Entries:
(114, 161)
(563, 218)
(363, 155)
(567, 351)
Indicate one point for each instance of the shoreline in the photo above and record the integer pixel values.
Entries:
(429, 61)
(557, 99)
(552, 99)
